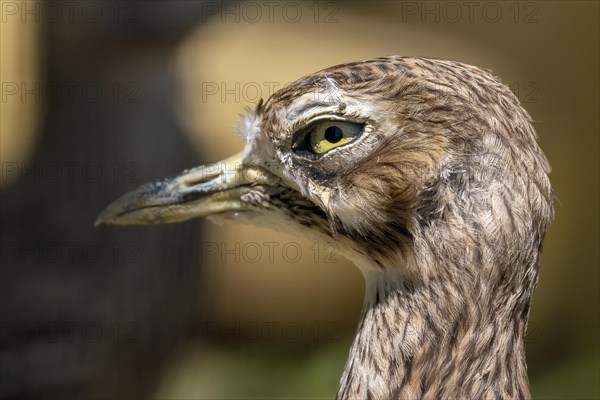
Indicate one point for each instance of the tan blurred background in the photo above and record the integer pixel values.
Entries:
(281, 326)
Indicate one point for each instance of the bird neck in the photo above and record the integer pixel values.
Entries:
(433, 339)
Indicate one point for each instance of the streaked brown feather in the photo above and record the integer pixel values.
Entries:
(451, 202)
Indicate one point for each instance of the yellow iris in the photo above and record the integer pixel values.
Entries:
(331, 134)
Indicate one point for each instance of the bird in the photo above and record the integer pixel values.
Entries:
(428, 175)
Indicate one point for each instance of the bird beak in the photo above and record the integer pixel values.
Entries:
(198, 192)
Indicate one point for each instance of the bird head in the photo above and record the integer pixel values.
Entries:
(396, 158)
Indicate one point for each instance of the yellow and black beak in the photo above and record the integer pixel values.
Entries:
(201, 191)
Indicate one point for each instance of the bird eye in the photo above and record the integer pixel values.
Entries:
(327, 135)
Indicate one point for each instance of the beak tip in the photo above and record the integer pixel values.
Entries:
(108, 216)
(102, 219)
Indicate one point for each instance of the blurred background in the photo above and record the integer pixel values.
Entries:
(98, 97)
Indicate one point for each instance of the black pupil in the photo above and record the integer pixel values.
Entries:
(334, 134)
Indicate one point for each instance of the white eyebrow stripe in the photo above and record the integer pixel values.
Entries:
(332, 88)
(295, 113)
(326, 95)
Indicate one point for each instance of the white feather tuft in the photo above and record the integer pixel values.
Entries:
(249, 127)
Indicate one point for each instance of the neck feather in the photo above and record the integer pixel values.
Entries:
(435, 339)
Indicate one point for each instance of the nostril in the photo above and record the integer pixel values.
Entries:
(202, 178)
(198, 177)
